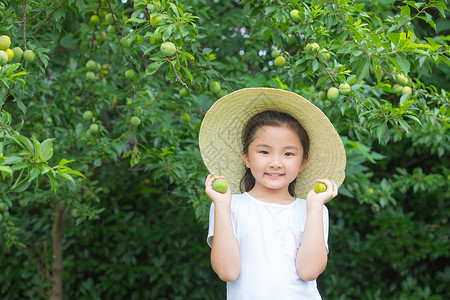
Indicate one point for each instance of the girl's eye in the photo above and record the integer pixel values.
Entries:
(289, 154)
(263, 152)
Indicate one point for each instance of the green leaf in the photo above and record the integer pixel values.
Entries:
(404, 64)
(363, 69)
(383, 133)
(47, 149)
(22, 182)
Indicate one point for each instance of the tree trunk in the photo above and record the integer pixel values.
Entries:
(57, 253)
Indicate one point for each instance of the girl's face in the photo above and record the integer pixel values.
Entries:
(275, 157)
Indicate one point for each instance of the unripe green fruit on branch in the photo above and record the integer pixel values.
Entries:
(29, 56)
(168, 49)
(320, 187)
(344, 88)
(295, 15)
(87, 115)
(401, 79)
(214, 87)
(5, 42)
(135, 121)
(333, 93)
(220, 185)
(279, 61)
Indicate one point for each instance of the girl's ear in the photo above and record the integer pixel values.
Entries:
(303, 165)
(245, 159)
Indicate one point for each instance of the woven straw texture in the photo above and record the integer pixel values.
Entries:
(220, 136)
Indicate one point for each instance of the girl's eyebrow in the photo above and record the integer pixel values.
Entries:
(267, 146)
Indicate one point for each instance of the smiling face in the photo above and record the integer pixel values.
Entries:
(274, 157)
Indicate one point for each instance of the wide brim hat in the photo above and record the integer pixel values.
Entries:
(221, 129)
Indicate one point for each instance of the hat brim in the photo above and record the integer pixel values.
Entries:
(220, 136)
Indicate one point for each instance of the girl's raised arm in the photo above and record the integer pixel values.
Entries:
(225, 255)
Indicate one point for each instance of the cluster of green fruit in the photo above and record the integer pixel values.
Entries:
(401, 85)
(321, 53)
(14, 55)
(88, 116)
(216, 89)
(278, 59)
(333, 92)
(93, 67)
(109, 21)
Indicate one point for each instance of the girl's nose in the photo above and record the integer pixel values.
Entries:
(275, 162)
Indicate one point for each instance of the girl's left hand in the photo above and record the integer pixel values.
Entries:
(324, 197)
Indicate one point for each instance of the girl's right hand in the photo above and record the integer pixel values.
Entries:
(214, 195)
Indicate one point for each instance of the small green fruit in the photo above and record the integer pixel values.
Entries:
(220, 185)
(295, 15)
(111, 29)
(323, 95)
(18, 53)
(323, 55)
(29, 56)
(3, 58)
(320, 187)
(279, 61)
(100, 36)
(90, 75)
(184, 92)
(95, 19)
(168, 49)
(275, 53)
(87, 115)
(155, 20)
(186, 118)
(129, 74)
(5, 42)
(93, 128)
(333, 93)
(135, 121)
(312, 47)
(406, 90)
(126, 42)
(214, 87)
(10, 54)
(344, 88)
(397, 88)
(109, 19)
(401, 79)
(91, 65)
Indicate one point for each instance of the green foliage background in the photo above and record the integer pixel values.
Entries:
(135, 210)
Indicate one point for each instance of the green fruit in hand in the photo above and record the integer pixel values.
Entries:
(29, 56)
(344, 88)
(91, 65)
(87, 115)
(168, 49)
(3, 58)
(5, 42)
(401, 79)
(214, 87)
(95, 19)
(320, 187)
(18, 52)
(333, 93)
(295, 15)
(93, 128)
(279, 61)
(220, 185)
(129, 74)
(275, 53)
(324, 54)
(135, 121)
(397, 88)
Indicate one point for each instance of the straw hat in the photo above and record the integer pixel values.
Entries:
(221, 129)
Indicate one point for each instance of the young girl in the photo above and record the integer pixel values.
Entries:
(266, 243)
